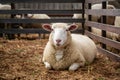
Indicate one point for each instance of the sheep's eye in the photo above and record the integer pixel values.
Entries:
(67, 30)
(52, 30)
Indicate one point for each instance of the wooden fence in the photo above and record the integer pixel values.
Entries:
(103, 26)
(66, 12)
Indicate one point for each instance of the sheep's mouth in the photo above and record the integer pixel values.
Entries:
(58, 44)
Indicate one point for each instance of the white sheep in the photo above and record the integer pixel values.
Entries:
(4, 16)
(110, 20)
(117, 24)
(32, 25)
(5, 7)
(79, 16)
(116, 36)
(66, 51)
(32, 16)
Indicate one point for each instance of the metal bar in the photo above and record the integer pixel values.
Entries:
(24, 31)
(42, 1)
(103, 20)
(50, 12)
(83, 17)
(16, 31)
(41, 20)
(89, 16)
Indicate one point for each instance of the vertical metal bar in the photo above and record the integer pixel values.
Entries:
(83, 17)
(12, 36)
(89, 16)
(103, 20)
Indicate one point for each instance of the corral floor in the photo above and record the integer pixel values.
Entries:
(21, 60)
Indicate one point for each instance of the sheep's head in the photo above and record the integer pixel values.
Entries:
(60, 33)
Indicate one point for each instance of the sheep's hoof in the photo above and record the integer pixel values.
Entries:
(47, 65)
(74, 66)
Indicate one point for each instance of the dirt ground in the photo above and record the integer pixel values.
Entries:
(21, 60)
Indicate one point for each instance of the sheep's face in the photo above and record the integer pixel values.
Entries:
(59, 32)
(59, 36)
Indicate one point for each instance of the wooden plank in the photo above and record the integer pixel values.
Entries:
(42, 1)
(96, 1)
(50, 12)
(102, 26)
(109, 54)
(41, 20)
(104, 40)
(18, 31)
(98, 12)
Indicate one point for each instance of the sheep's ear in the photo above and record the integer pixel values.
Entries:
(72, 27)
(47, 27)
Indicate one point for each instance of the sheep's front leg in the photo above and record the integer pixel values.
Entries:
(47, 65)
(75, 66)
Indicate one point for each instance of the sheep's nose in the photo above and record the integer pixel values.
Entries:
(58, 40)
